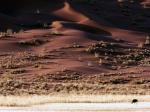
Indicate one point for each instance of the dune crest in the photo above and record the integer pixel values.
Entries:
(69, 13)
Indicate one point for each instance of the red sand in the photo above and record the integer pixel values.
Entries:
(74, 26)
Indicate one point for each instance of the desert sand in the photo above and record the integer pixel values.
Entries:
(82, 107)
(74, 47)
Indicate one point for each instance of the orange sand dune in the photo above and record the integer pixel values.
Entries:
(68, 13)
(61, 35)
(75, 26)
(63, 11)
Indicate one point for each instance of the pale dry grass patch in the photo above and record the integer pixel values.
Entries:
(43, 99)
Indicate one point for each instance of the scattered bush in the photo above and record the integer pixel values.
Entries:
(117, 55)
(33, 42)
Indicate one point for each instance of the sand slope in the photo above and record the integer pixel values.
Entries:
(56, 34)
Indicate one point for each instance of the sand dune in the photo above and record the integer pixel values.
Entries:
(68, 13)
(57, 35)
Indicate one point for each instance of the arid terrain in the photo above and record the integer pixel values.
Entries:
(74, 47)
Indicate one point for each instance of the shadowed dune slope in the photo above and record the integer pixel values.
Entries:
(98, 19)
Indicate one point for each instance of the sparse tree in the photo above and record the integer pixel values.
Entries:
(147, 42)
(45, 25)
(9, 32)
(100, 61)
(21, 30)
(141, 45)
(97, 55)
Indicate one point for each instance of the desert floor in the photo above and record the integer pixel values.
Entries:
(83, 107)
(74, 51)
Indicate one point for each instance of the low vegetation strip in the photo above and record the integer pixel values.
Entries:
(23, 101)
(70, 82)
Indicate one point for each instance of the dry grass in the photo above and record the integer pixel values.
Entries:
(117, 56)
(33, 42)
(71, 82)
(35, 100)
